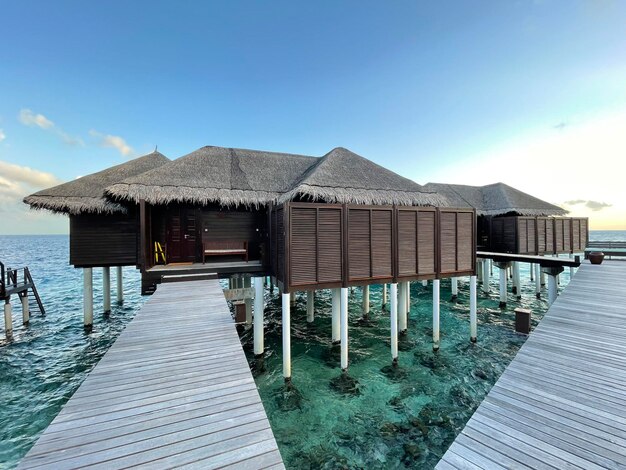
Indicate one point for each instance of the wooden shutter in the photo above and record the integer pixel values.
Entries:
(359, 243)
(329, 248)
(381, 243)
(407, 242)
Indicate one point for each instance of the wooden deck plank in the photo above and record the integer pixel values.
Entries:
(560, 403)
(175, 389)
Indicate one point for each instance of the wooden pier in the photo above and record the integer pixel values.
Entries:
(561, 401)
(174, 390)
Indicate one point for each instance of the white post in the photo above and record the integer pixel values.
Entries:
(366, 300)
(106, 289)
(516, 280)
(344, 328)
(571, 269)
(394, 322)
(247, 282)
(310, 306)
(336, 320)
(292, 298)
(402, 317)
(408, 300)
(543, 278)
(435, 314)
(486, 272)
(425, 283)
(286, 336)
(473, 309)
(454, 284)
(385, 295)
(503, 280)
(552, 289)
(25, 309)
(537, 267)
(259, 307)
(88, 297)
(532, 272)
(120, 286)
(8, 318)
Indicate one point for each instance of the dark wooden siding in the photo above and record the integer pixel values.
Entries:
(359, 244)
(526, 236)
(545, 235)
(303, 250)
(579, 234)
(103, 240)
(407, 243)
(427, 242)
(417, 243)
(280, 244)
(504, 234)
(381, 243)
(223, 225)
(330, 252)
(457, 242)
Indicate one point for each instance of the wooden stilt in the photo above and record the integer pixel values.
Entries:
(473, 321)
(8, 318)
(402, 317)
(106, 289)
(435, 314)
(454, 285)
(344, 328)
(88, 297)
(393, 309)
(120, 286)
(310, 306)
(366, 300)
(336, 319)
(286, 326)
(25, 308)
(259, 308)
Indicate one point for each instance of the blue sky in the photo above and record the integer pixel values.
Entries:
(524, 92)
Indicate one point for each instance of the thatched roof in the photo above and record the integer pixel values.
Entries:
(495, 199)
(344, 177)
(86, 194)
(232, 177)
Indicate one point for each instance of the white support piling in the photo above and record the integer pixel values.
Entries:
(336, 319)
(394, 322)
(542, 277)
(292, 298)
(486, 273)
(106, 289)
(572, 269)
(247, 282)
(503, 282)
(435, 314)
(454, 285)
(408, 301)
(532, 272)
(88, 297)
(25, 309)
(425, 283)
(384, 295)
(8, 318)
(552, 289)
(402, 316)
(310, 306)
(120, 286)
(259, 307)
(491, 267)
(517, 279)
(366, 300)
(537, 267)
(286, 326)
(473, 309)
(344, 328)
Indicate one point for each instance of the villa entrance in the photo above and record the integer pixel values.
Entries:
(182, 234)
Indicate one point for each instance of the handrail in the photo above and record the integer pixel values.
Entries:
(606, 244)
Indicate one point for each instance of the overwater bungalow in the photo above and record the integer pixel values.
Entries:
(511, 221)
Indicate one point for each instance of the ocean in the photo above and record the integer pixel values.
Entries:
(386, 418)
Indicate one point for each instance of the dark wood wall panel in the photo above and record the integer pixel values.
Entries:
(330, 245)
(359, 236)
(222, 225)
(426, 243)
(407, 242)
(567, 235)
(103, 240)
(545, 235)
(531, 236)
(465, 241)
(448, 245)
(381, 243)
(558, 235)
(280, 244)
(303, 249)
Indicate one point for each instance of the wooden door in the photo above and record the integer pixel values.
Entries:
(181, 235)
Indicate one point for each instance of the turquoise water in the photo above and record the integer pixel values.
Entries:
(46, 362)
(397, 418)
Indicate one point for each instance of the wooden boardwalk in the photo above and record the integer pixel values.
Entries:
(561, 403)
(174, 390)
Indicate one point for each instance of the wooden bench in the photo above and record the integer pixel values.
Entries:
(609, 248)
(224, 248)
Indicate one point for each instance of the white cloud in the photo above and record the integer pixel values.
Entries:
(28, 118)
(2, 135)
(112, 141)
(23, 174)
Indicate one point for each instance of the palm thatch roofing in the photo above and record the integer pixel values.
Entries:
(232, 177)
(86, 194)
(495, 199)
